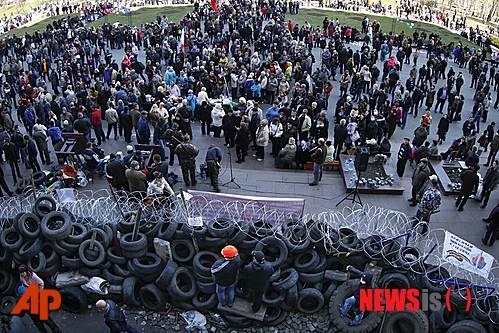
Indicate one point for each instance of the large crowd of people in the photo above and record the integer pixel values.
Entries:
(252, 76)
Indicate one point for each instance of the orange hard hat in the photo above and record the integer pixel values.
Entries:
(229, 251)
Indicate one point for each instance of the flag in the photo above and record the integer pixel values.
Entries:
(183, 41)
(215, 7)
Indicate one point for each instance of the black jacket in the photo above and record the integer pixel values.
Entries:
(257, 276)
(116, 169)
(469, 182)
(225, 272)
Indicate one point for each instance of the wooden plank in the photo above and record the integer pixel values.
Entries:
(242, 308)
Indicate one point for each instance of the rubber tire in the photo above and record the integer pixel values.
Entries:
(307, 261)
(348, 240)
(62, 231)
(305, 295)
(131, 291)
(369, 322)
(152, 298)
(221, 228)
(7, 303)
(435, 273)
(70, 263)
(164, 279)
(202, 262)
(206, 287)
(37, 263)
(273, 297)
(41, 208)
(373, 247)
(167, 230)
(29, 249)
(466, 326)
(205, 302)
(28, 226)
(138, 245)
(273, 242)
(394, 281)
(79, 233)
(120, 270)
(147, 267)
(176, 290)
(112, 278)
(11, 240)
(183, 259)
(276, 318)
(114, 258)
(89, 262)
(419, 322)
(292, 296)
(74, 299)
(100, 236)
(287, 279)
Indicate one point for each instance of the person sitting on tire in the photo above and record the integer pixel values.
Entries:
(225, 273)
(353, 302)
(256, 277)
(114, 317)
(27, 277)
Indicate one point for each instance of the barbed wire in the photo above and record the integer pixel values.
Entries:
(391, 230)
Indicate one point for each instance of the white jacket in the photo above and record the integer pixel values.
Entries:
(216, 116)
(276, 130)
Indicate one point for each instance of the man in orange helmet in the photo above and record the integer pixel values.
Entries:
(225, 273)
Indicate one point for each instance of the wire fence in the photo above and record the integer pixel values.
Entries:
(391, 230)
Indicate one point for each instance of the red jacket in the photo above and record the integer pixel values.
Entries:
(96, 117)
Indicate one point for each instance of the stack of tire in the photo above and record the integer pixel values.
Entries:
(309, 261)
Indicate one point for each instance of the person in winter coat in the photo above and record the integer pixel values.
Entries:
(12, 157)
(225, 273)
(494, 147)
(136, 178)
(3, 184)
(229, 123)
(340, 135)
(469, 185)
(318, 155)
(275, 132)
(286, 159)
(490, 182)
(262, 140)
(255, 277)
(419, 177)
(217, 115)
(116, 173)
(125, 120)
(32, 154)
(492, 227)
(242, 140)
(443, 128)
(143, 130)
(204, 115)
(305, 125)
(96, 118)
(41, 140)
(112, 118)
(114, 317)
(82, 125)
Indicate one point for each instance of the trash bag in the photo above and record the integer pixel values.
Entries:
(195, 321)
(96, 285)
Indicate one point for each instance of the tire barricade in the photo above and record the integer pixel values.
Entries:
(309, 256)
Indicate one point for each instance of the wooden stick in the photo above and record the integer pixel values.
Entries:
(136, 224)
(94, 236)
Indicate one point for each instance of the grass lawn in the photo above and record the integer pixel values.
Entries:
(37, 26)
(145, 15)
(316, 16)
